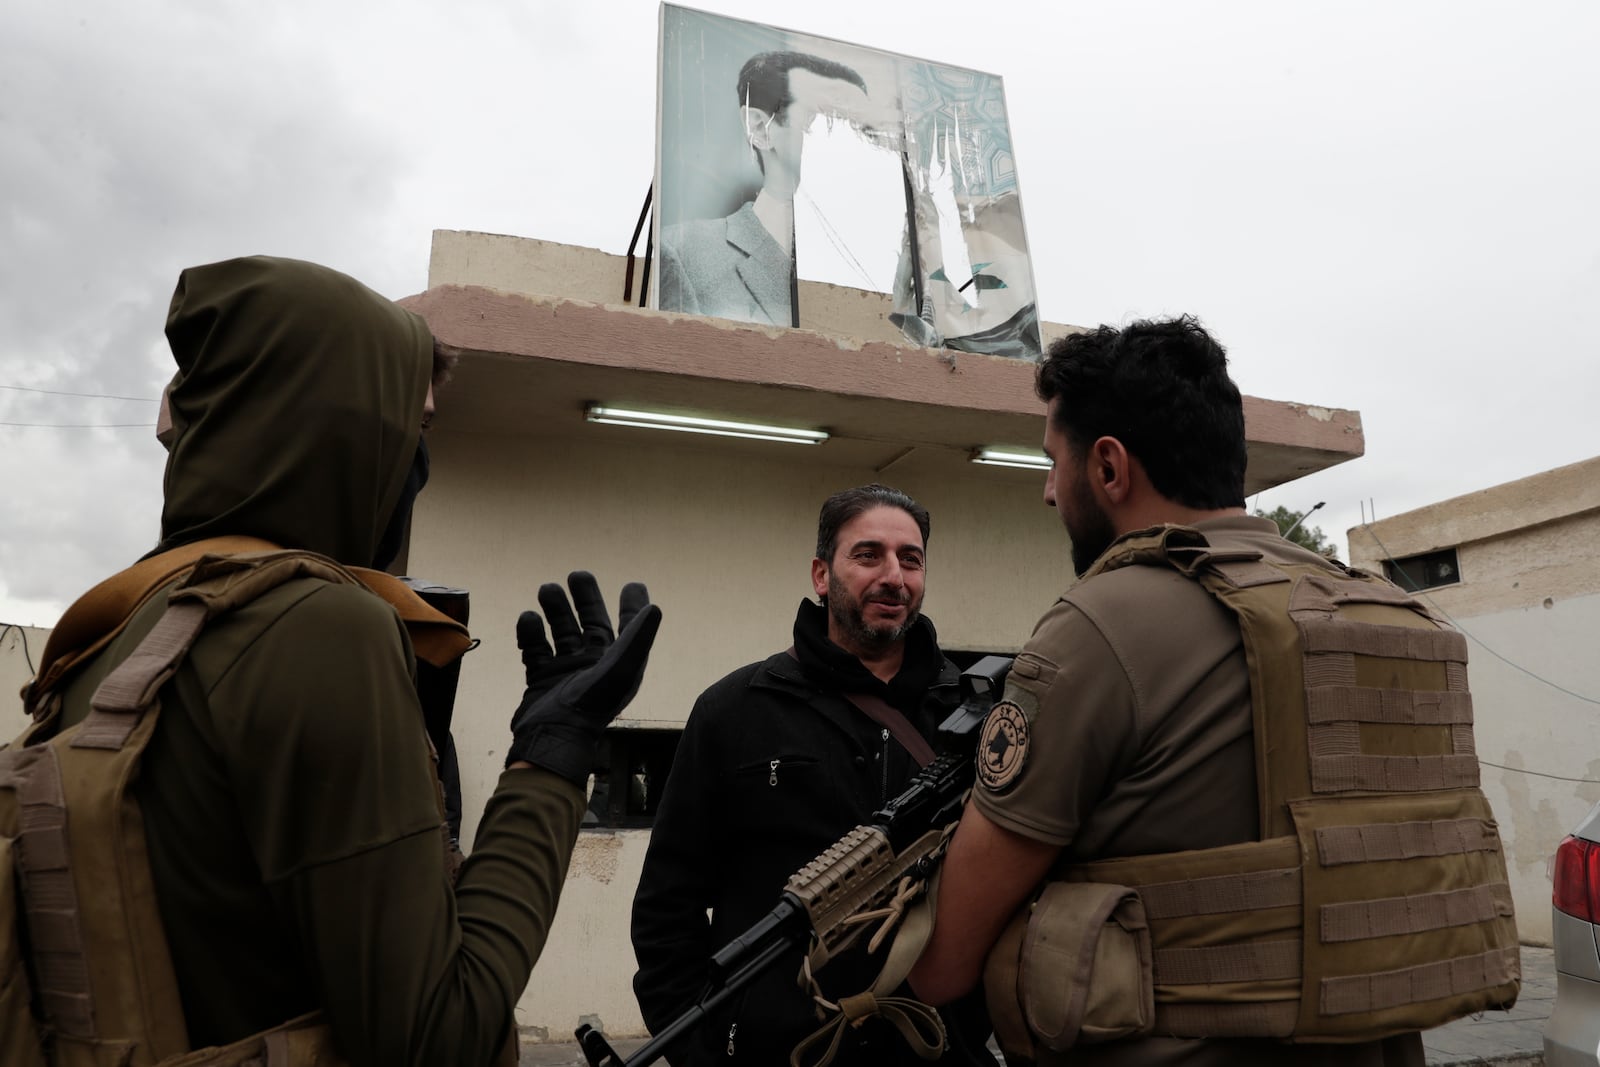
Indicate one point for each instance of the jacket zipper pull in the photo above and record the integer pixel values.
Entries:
(772, 779)
(733, 1028)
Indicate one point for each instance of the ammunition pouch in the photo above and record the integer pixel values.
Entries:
(1072, 967)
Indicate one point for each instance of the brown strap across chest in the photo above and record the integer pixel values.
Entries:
(890, 718)
(97, 617)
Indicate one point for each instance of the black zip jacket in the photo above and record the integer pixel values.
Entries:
(775, 764)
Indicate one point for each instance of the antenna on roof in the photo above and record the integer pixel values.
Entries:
(1296, 524)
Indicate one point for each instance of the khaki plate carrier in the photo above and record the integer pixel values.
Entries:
(1376, 902)
(86, 979)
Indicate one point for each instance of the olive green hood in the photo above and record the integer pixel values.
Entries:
(296, 408)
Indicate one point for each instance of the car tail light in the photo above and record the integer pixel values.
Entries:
(1577, 879)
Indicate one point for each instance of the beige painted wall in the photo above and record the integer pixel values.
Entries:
(723, 532)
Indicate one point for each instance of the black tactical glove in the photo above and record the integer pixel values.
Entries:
(576, 688)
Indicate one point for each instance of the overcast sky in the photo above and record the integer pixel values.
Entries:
(1388, 206)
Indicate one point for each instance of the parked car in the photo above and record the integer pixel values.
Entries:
(1572, 1036)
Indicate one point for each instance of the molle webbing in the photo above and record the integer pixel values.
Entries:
(1398, 841)
(115, 708)
(1251, 961)
(1465, 976)
(1415, 914)
(1223, 894)
(50, 900)
(1339, 708)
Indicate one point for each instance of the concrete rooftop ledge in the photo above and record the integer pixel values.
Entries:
(1538, 500)
(535, 359)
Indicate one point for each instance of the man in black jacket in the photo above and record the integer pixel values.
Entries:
(777, 761)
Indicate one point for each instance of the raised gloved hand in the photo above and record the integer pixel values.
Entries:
(575, 688)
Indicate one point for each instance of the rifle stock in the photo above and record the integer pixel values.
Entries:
(858, 873)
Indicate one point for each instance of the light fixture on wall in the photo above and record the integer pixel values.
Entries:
(656, 420)
(1001, 457)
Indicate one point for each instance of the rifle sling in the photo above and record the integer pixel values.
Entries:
(890, 718)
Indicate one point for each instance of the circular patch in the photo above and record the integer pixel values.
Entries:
(1002, 747)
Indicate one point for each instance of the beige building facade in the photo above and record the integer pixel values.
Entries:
(1517, 568)
(523, 490)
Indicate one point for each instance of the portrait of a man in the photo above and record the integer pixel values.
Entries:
(742, 266)
(919, 195)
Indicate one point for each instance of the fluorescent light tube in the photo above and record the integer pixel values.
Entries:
(655, 420)
(999, 457)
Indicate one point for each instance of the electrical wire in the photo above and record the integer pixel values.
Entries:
(1541, 774)
(839, 246)
(80, 425)
(92, 396)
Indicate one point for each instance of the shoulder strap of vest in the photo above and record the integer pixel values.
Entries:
(215, 586)
(890, 718)
(1186, 550)
(98, 616)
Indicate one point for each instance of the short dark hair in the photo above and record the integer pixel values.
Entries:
(843, 506)
(764, 78)
(1161, 387)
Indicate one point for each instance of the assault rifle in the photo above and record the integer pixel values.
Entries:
(861, 872)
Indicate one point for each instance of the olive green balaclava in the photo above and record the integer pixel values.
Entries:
(296, 409)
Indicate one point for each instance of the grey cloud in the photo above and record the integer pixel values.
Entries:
(139, 142)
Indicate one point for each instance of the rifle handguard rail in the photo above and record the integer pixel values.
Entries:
(841, 872)
(858, 873)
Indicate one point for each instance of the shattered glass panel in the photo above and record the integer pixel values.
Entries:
(782, 156)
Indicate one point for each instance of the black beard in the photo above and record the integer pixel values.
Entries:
(1090, 530)
(848, 617)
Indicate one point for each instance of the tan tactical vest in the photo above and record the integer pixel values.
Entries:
(86, 979)
(1376, 902)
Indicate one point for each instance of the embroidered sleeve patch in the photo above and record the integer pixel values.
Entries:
(1003, 746)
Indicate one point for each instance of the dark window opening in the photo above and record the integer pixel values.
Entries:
(1425, 571)
(630, 770)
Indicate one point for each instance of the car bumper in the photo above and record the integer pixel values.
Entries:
(1572, 1036)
